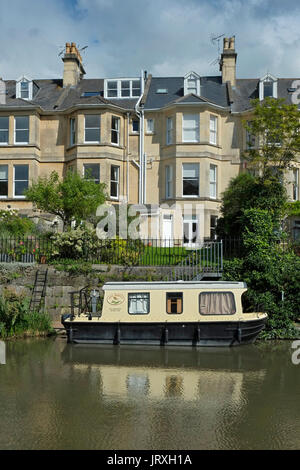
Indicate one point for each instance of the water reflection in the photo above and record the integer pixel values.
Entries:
(56, 395)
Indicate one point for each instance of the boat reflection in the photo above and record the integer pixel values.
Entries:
(212, 377)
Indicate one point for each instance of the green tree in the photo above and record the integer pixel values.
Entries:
(245, 192)
(276, 128)
(74, 198)
(269, 271)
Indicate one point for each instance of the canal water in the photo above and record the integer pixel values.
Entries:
(55, 395)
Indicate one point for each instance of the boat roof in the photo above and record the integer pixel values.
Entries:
(176, 285)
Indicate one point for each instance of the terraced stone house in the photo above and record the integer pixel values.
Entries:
(165, 142)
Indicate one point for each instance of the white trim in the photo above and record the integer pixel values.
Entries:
(191, 195)
(5, 180)
(213, 183)
(19, 91)
(115, 181)
(196, 128)
(85, 128)
(191, 76)
(174, 285)
(14, 181)
(15, 130)
(119, 88)
(213, 132)
(267, 78)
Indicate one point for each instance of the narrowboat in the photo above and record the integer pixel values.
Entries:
(181, 313)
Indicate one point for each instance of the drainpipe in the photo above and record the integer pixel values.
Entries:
(140, 113)
(127, 181)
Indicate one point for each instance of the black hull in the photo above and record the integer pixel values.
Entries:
(162, 334)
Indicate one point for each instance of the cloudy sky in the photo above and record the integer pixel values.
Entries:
(164, 37)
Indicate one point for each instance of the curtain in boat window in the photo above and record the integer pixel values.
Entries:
(138, 304)
(217, 303)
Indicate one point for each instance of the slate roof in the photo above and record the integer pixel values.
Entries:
(51, 96)
(212, 90)
(248, 88)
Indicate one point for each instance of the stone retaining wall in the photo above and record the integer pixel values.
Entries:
(20, 278)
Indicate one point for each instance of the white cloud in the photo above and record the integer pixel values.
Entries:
(163, 37)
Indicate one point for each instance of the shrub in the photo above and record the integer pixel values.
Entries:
(16, 319)
(13, 225)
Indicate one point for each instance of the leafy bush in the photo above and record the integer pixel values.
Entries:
(12, 224)
(17, 320)
(268, 271)
(83, 243)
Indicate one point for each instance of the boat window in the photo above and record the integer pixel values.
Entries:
(217, 303)
(174, 302)
(139, 304)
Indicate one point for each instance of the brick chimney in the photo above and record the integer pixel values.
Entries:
(228, 61)
(73, 68)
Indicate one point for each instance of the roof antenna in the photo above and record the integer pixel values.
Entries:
(215, 39)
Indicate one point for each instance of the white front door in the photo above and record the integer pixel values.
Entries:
(190, 231)
(168, 230)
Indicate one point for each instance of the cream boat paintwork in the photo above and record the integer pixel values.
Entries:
(118, 312)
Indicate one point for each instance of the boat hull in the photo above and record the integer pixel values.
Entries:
(221, 333)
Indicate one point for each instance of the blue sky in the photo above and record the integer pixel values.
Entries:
(164, 37)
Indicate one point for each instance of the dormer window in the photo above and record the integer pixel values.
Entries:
(24, 88)
(267, 87)
(192, 83)
(122, 88)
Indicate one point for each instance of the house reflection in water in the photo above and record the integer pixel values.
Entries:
(211, 387)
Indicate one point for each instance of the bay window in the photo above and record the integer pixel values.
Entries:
(190, 179)
(3, 181)
(92, 128)
(115, 130)
(22, 129)
(213, 122)
(213, 181)
(190, 128)
(21, 179)
(4, 129)
(114, 181)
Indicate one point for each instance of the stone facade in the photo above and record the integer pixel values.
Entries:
(191, 145)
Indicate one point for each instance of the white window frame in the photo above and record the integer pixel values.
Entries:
(115, 181)
(5, 130)
(117, 130)
(150, 128)
(196, 127)
(188, 77)
(19, 88)
(132, 130)
(213, 182)
(84, 168)
(98, 128)
(14, 181)
(25, 129)
(5, 180)
(169, 181)
(295, 185)
(169, 130)
(119, 88)
(191, 195)
(213, 129)
(267, 78)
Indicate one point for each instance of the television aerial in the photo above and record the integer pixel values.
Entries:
(215, 39)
